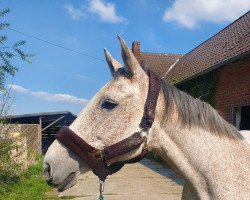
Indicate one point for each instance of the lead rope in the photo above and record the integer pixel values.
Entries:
(144, 135)
(101, 189)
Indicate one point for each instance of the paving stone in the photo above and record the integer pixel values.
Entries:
(147, 180)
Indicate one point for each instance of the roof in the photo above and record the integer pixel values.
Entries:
(65, 118)
(227, 45)
(40, 114)
(159, 62)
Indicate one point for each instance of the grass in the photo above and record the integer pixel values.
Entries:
(30, 185)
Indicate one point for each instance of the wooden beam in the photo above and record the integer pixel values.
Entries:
(40, 134)
(52, 123)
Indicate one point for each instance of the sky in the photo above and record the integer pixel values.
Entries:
(62, 80)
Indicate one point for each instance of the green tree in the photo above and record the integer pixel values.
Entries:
(8, 52)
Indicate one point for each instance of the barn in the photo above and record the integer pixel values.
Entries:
(216, 71)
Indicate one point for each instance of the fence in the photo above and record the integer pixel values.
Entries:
(27, 139)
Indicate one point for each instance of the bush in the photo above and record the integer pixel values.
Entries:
(10, 169)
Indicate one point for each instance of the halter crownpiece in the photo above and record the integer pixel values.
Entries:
(151, 101)
(97, 159)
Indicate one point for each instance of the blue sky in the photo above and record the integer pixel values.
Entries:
(59, 80)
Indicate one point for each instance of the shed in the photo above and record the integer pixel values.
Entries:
(50, 123)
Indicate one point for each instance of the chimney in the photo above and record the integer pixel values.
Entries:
(136, 49)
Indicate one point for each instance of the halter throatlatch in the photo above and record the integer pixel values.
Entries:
(97, 159)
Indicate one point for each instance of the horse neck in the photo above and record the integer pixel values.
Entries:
(203, 159)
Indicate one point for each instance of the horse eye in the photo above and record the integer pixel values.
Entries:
(108, 104)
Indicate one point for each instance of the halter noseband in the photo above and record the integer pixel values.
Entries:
(97, 159)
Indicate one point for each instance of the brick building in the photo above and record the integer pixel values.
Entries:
(225, 57)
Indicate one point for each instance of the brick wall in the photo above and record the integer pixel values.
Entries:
(233, 87)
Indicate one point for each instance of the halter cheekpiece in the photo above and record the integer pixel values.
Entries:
(96, 159)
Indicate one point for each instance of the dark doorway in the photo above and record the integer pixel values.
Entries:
(245, 118)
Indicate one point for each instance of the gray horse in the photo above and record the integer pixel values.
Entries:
(209, 153)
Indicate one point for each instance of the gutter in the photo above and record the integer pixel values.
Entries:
(171, 67)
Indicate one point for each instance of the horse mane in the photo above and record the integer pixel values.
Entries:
(195, 112)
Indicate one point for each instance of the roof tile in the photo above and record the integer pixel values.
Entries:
(158, 62)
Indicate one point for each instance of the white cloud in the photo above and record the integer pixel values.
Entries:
(48, 96)
(80, 76)
(189, 13)
(75, 13)
(18, 88)
(106, 11)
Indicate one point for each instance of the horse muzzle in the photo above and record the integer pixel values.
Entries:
(68, 182)
(61, 167)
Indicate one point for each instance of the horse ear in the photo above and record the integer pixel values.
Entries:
(128, 57)
(113, 64)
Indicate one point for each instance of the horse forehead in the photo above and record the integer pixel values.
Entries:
(121, 86)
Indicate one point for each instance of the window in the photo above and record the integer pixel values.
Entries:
(241, 117)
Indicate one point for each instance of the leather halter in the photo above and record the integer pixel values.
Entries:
(97, 159)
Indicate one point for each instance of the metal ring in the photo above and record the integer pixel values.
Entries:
(97, 154)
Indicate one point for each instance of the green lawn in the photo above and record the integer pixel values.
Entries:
(29, 186)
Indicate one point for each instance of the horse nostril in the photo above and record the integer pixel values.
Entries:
(48, 176)
(49, 182)
(46, 171)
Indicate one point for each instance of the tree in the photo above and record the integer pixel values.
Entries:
(9, 168)
(9, 52)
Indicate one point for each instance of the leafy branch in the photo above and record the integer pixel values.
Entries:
(10, 52)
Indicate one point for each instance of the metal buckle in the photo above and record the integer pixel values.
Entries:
(144, 134)
(97, 154)
(145, 145)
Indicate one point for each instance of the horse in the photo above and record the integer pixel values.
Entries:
(193, 139)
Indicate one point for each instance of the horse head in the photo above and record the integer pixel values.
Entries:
(113, 114)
